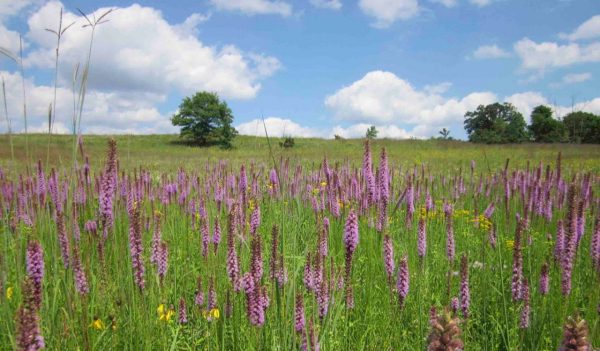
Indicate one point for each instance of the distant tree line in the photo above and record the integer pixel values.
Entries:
(502, 123)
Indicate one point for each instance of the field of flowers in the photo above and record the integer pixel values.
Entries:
(281, 255)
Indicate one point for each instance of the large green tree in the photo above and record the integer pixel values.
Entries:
(496, 123)
(583, 127)
(544, 128)
(205, 119)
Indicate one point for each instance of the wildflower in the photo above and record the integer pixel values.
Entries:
(510, 244)
(165, 314)
(97, 324)
(524, 318)
(299, 314)
(465, 296)
(29, 335)
(403, 282)
(35, 270)
(422, 238)
(445, 333)
(351, 232)
(182, 311)
(544, 279)
(388, 256)
(212, 314)
(575, 335)
(9, 292)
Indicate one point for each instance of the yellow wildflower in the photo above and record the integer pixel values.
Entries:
(323, 184)
(97, 324)
(165, 314)
(510, 244)
(212, 314)
(9, 292)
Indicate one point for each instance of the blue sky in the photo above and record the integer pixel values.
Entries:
(310, 68)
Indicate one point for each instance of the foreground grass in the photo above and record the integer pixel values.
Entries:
(376, 322)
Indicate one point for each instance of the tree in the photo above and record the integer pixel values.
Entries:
(445, 133)
(372, 132)
(205, 119)
(582, 127)
(496, 123)
(544, 128)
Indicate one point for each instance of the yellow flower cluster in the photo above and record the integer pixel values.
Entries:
(429, 215)
(97, 324)
(165, 314)
(212, 314)
(510, 244)
(484, 223)
(9, 292)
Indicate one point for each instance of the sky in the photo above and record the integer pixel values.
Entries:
(310, 68)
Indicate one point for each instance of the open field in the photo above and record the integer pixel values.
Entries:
(161, 152)
(236, 252)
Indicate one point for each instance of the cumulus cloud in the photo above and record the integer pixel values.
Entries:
(548, 55)
(587, 30)
(8, 40)
(489, 52)
(382, 97)
(254, 7)
(384, 131)
(189, 27)
(117, 112)
(154, 55)
(277, 127)
(387, 12)
(327, 4)
(10, 8)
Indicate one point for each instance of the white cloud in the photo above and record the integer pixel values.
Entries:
(277, 127)
(572, 78)
(587, 30)
(385, 100)
(489, 52)
(382, 97)
(153, 56)
(525, 102)
(387, 12)
(8, 40)
(327, 4)
(547, 55)
(576, 78)
(117, 110)
(447, 3)
(438, 88)
(481, 3)
(10, 8)
(191, 23)
(384, 131)
(254, 7)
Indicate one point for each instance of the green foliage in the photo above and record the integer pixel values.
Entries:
(288, 142)
(372, 132)
(544, 128)
(445, 133)
(496, 123)
(583, 127)
(205, 120)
